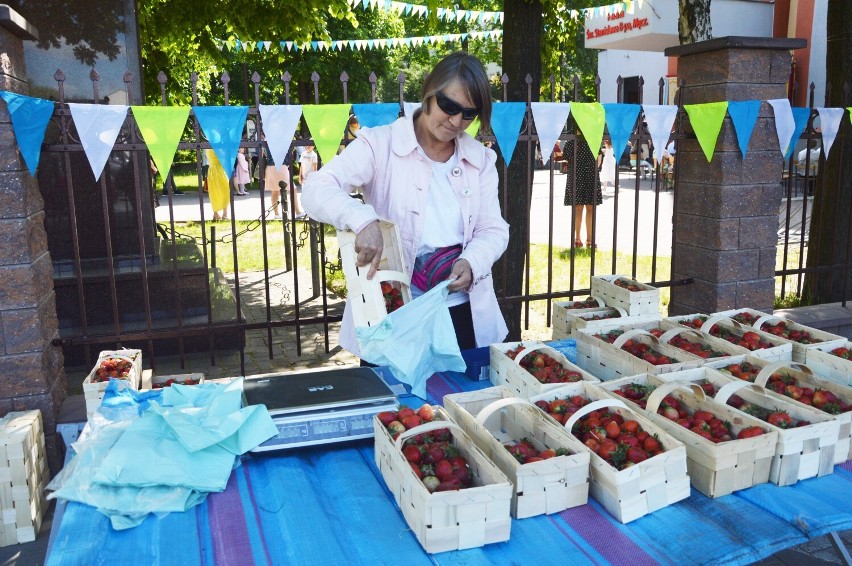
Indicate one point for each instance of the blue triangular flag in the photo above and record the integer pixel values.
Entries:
(620, 121)
(800, 118)
(506, 120)
(223, 127)
(373, 115)
(743, 114)
(29, 120)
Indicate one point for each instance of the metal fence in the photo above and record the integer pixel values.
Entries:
(128, 275)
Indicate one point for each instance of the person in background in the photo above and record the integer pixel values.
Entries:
(218, 187)
(583, 172)
(807, 162)
(307, 163)
(278, 179)
(241, 172)
(439, 185)
(606, 164)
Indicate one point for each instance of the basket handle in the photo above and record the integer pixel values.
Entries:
(391, 275)
(492, 408)
(766, 372)
(711, 320)
(544, 348)
(672, 332)
(729, 389)
(633, 332)
(657, 395)
(765, 318)
(593, 406)
(600, 301)
(425, 427)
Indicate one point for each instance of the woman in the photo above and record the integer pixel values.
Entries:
(218, 187)
(583, 172)
(439, 186)
(606, 164)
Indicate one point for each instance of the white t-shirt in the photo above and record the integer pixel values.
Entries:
(443, 225)
(307, 163)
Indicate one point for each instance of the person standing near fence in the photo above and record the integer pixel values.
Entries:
(277, 178)
(582, 175)
(218, 187)
(439, 185)
(241, 172)
(606, 164)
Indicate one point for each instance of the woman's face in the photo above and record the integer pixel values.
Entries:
(440, 124)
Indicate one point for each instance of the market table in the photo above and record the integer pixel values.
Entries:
(329, 505)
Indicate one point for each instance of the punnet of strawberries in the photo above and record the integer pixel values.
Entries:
(545, 368)
(621, 442)
(785, 330)
(639, 349)
(696, 322)
(703, 423)
(525, 452)
(561, 408)
(392, 295)
(774, 416)
(696, 348)
(432, 456)
(844, 353)
(638, 393)
(118, 368)
(627, 284)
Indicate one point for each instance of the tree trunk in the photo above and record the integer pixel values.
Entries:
(521, 38)
(694, 22)
(830, 220)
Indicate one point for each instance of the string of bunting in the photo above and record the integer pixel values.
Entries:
(238, 45)
(162, 126)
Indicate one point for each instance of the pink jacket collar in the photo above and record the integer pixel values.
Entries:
(405, 142)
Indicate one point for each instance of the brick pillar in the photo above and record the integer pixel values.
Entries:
(726, 211)
(32, 375)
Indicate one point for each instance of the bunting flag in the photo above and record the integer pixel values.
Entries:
(98, 126)
(800, 121)
(327, 123)
(590, 118)
(660, 119)
(620, 121)
(223, 127)
(374, 115)
(549, 119)
(784, 123)
(418, 10)
(279, 127)
(849, 109)
(706, 120)
(161, 128)
(473, 128)
(829, 119)
(506, 121)
(30, 117)
(743, 114)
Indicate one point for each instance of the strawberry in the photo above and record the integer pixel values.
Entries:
(612, 429)
(431, 483)
(636, 454)
(546, 454)
(426, 413)
(395, 428)
(386, 417)
(412, 453)
(416, 470)
(780, 419)
(750, 432)
(444, 470)
(404, 412)
(411, 422)
(651, 444)
(451, 485)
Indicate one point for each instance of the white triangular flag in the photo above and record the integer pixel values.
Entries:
(279, 125)
(785, 124)
(660, 119)
(98, 126)
(829, 119)
(549, 119)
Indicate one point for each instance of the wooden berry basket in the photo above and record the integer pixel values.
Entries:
(447, 520)
(608, 361)
(365, 295)
(781, 350)
(698, 337)
(582, 320)
(805, 377)
(508, 372)
(563, 309)
(715, 469)
(831, 367)
(24, 463)
(641, 489)
(802, 452)
(94, 391)
(646, 301)
(800, 351)
(494, 416)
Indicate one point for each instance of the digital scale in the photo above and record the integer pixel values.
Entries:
(320, 407)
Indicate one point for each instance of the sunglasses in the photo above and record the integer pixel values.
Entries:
(450, 107)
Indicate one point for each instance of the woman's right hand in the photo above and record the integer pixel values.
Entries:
(369, 244)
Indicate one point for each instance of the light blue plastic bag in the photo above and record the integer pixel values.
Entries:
(415, 340)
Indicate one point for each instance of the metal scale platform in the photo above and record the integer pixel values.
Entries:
(320, 407)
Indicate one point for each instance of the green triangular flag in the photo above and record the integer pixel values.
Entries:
(706, 120)
(849, 109)
(161, 128)
(327, 123)
(590, 117)
(473, 128)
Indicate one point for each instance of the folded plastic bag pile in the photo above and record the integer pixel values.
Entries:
(160, 451)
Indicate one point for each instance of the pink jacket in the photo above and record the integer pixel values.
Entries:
(394, 178)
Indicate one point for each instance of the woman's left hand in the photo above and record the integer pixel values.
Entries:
(461, 276)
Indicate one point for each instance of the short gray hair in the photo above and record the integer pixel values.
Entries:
(468, 71)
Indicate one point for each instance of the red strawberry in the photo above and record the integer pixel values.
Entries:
(444, 470)
(750, 432)
(426, 413)
(404, 412)
(780, 419)
(636, 455)
(412, 453)
(417, 471)
(411, 421)
(651, 444)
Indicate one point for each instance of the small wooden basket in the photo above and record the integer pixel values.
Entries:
(94, 391)
(586, 320)
(508, 372)
(365, 295)
(608, 361)
(828, 366)
(715, 469)
(800, 351)
(495, 416)
(802, 452)
(447, 520)
(24, 469)
(781, 350)
(646, 301)
(563, 309)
